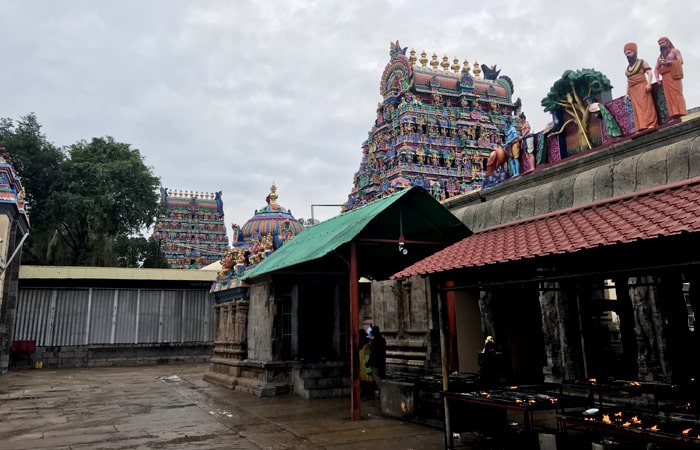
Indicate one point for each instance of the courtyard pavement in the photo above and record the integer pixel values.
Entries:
(171, 407)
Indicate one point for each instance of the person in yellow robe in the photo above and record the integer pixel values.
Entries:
(366, 380)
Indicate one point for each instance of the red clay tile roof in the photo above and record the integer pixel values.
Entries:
(668, 210)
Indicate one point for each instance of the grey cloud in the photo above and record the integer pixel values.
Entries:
(231, 96)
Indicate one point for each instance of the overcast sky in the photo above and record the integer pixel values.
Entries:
(233, 95)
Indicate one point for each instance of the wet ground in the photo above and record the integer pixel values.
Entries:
(171, 407)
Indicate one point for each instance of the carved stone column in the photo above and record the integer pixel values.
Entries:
(488, 314)
(564, 355)
(648, 327)
(240, 336)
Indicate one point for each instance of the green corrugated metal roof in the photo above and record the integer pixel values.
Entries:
(412, 212)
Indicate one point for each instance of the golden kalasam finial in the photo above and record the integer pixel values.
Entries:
(465, 66)
(455, 66)
(273, 194)
(434, 62)
(445, 63)
(424, 59)
(412, 58)
(477, 70)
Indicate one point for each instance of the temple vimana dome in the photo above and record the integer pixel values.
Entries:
(267, 230)
(437, 123)
(271, 220)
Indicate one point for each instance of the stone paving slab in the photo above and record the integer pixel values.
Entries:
(171, 407)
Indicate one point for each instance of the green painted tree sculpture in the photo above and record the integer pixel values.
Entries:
(572, 94)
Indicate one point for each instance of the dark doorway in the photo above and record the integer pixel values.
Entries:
(322, 319)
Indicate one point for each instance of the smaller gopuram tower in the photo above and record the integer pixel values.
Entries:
(436, 126)
(191, 229)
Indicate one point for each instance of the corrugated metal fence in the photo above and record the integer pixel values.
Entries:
(55, 317)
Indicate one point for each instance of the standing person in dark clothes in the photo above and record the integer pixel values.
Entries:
(377, 356)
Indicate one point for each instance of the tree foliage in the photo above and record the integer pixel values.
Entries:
(105, 191)
(140, 252)
(572, 94)
(84, 201)
(35, 159)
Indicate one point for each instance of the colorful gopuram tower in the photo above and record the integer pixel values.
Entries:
(436, 127)
(191, 228)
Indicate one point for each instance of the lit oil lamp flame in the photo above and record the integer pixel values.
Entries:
(635, 420)
(484, 394)
(514, 387)
(635, 383)
(654, 428)
(606, 418)
(626, 424)
(618, 414)
(686, 431)
(592, 380)
(553, 400)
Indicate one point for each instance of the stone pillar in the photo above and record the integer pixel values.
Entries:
(648, 327)
(240, 335)
(560, 326)
(488, 313)
(231, 334)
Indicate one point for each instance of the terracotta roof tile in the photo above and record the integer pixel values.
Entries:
(664, 211)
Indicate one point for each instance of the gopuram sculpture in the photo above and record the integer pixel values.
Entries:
(436, 126)
(190, 229)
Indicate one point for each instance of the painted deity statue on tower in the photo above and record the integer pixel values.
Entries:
(669, 73)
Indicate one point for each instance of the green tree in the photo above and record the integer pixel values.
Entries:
(102, 192)
(572, 94)
(37, 161)
(139, 252)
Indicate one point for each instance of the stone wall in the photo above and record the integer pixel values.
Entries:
(260, 320)
(404, 312)
(114, 355)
